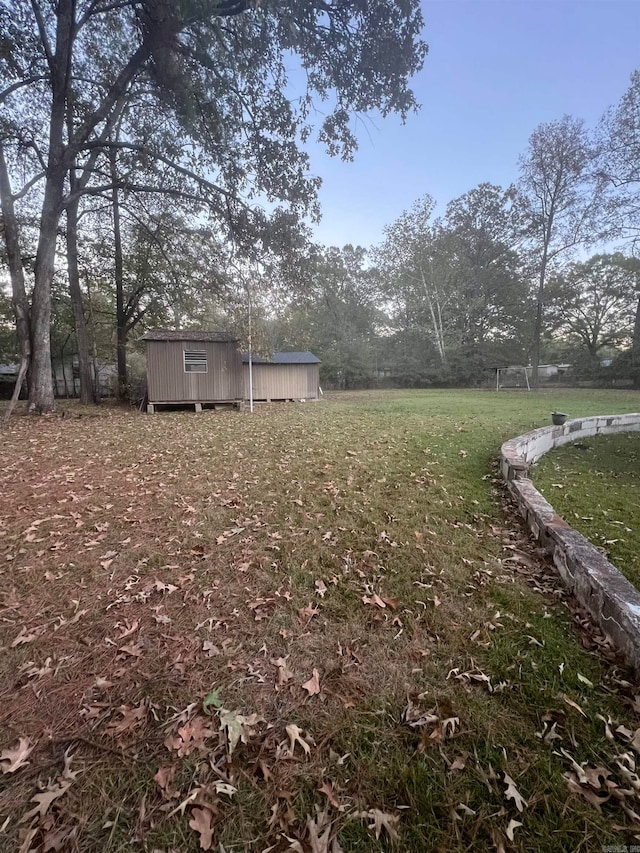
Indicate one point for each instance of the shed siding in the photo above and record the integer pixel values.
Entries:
(167, 381)
(283, 381)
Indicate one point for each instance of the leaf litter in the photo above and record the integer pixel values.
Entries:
(193, 630)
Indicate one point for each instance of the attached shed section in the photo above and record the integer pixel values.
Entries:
(286, 376)
(192, 367)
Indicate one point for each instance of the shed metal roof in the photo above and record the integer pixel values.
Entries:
(295, 358)
(185, 335)
(283, 358)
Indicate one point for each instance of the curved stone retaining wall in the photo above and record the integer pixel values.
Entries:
(613, 602)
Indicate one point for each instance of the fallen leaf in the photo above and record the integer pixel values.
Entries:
(236, 727)
(327, 789)
(201, 821)
(381, 820)
(459, 763)
(16, 757)
(211, 649)
(127, 629)
(44, 800)
(295, 736)
(512, 793)
(312, 686)
(212, 700)
(321, 588)
(25, 637)
(513, 825)
(585, 791)
(573, 704)
(307, 613)
(164, 778)
(131, 719)
(284, 673)
(190, 736)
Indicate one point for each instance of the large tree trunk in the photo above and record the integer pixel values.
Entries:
(41, 397)
(16, 273)
(537, 327)
(635, 346)
(121, 318)
(87, 392)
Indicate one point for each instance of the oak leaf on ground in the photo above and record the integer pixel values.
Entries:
(16, 757)
(202, 822)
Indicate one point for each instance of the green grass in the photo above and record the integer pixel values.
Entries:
(257, 522)
(595, 485)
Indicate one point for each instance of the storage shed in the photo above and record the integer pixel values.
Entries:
(192, 367)
(286, 376)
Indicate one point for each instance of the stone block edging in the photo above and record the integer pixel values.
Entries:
(601, 589)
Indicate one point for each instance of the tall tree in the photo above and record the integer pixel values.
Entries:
(409, 262)
(336, 315)
(557, 203)
(594, 304)
(491, 296)
(216, 71)
(620, 163)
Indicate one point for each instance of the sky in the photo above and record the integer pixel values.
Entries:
(496, 69)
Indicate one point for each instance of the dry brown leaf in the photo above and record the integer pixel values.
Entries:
(573, 704)
(25, 637)
(512, 793)
(374, 600)
(513, 825)
(295, 736)
(127, 629)
(585, 791)
(16, 757)
(59, 838)
(131, 719)
(202, 822)
(381, 821)
(164, 778)
(327, 789)
(312, 686)
(307, 613)
(284, 673)
(44, 800)
(459, 763)
(320, 832)
(321, 588)
(190, 736)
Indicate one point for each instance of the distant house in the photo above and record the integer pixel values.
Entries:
(192, 367)
(285, 376)
(66, 376)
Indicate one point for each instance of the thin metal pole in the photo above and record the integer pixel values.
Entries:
(250, 353)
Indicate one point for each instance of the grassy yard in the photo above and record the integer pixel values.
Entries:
(317, 628)
(595, 484)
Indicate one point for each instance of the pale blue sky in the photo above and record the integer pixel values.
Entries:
(495, 70)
